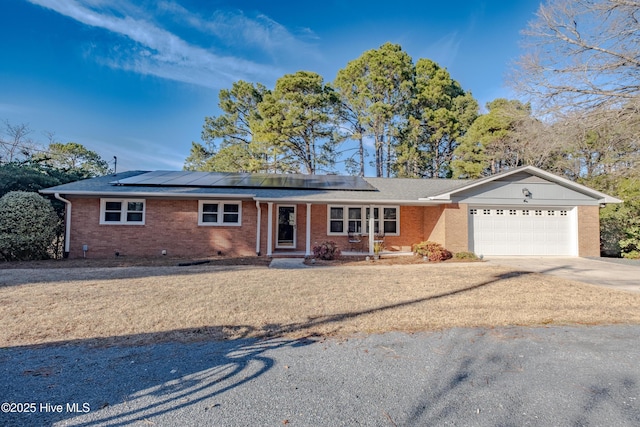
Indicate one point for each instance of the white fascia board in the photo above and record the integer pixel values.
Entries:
(602, 197)
(418, 202)
(128, 194)
(440, 198)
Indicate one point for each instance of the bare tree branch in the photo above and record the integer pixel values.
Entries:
(581, 53)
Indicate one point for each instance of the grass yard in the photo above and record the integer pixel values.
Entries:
(134, 305)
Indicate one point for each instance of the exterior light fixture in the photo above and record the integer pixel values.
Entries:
(526, 193)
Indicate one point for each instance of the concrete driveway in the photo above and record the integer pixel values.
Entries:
(600, 271)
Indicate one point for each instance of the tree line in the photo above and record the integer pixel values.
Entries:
(412, 115)
(577, 114)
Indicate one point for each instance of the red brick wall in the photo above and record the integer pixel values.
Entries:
(411, 229)
(170, 225)
(434, 224)
(448, 225)
(588, 231)
(457, 227)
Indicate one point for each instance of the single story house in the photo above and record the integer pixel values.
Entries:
(524, 211)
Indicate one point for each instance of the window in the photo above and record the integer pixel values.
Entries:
(355, 219)
(538, 213)
(486, 211)
(390, 220)
(336, 220)
(473, 211)
(122, 211)
(563, 213)
(525, 212)
(512, 211)
(551, 213)
(499, 212)
(211, 212)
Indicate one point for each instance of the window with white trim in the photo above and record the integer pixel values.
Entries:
(122, 211)
(336, 220)
(219, 212)
(342, 220)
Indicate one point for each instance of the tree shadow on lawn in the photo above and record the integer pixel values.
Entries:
(130, 382)
(18, 277)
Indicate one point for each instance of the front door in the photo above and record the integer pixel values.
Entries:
(286, 227)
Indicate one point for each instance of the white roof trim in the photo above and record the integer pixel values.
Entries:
(405, 202)
(603, 198)
(211, 196)
(127, 194)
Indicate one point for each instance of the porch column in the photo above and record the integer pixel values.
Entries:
(269, 227)
(258, 228)
(371, 228)
(308, 237)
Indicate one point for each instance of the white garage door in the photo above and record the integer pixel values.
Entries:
(516, 231)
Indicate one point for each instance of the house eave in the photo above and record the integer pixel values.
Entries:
(417, 202)
(151, 194)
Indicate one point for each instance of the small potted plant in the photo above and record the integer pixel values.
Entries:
(377, 248)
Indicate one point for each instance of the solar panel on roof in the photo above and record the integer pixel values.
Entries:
(275, 181)
(203, 179)
(182, 179)
(247, 180)
(145, 177)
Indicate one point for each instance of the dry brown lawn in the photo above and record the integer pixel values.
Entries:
(121, 305)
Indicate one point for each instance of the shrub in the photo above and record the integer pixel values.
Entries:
(631, 255)
(28, 226)
(432, 250)
(465, 255)
(326, 250)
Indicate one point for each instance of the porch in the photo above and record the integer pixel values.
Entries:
(293, 229)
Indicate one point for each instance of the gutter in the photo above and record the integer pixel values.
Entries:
(377, 202)
(129, 194)
(67, 227)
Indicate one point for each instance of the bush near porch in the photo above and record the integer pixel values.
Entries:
(432, 250)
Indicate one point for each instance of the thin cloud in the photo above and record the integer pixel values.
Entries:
(445, 49)
(157, 51)
(235, 28)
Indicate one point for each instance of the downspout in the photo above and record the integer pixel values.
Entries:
(308, 232)
(258, 229)
(371, 220)
(67, 227)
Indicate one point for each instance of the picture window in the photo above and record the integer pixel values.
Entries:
(122, 211)
(355, 219)
(217, 213)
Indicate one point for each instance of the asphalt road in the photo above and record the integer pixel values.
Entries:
(556, 376)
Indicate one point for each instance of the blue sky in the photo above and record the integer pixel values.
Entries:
(135, 79)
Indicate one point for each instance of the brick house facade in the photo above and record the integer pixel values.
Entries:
(125, 215)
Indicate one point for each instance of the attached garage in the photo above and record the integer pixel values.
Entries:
(509, 230)
(524, 212)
